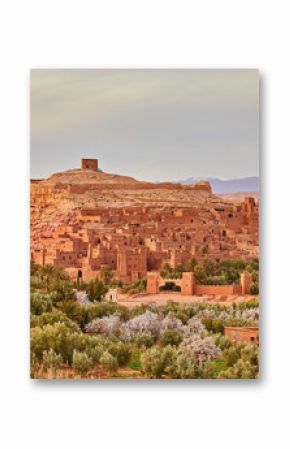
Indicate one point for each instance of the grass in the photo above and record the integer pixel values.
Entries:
(220, 365)
(135, 362)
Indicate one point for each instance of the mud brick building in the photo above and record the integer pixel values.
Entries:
(84, 218)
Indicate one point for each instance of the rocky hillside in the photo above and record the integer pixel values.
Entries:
(65, 192)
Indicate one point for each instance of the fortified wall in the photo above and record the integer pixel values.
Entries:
(189, 287)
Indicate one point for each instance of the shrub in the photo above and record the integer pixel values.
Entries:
(170, 337)
(109, 362)
(96, 290)
(52, 318)
(254, 288)
(223, 342)
(95, 353)
(232, 355)
(142, 339)
(40, 304)
(183, 367)
(58, 337)
(156, 360)
(51, 360)
(73, 310)
(122, 352)
(61, 290)
(240, 370)
(81, 361)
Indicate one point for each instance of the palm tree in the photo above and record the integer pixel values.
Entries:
(47, 273)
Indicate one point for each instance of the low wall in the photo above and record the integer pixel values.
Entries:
(218, 290)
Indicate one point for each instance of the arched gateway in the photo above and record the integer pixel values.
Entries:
(189, 287)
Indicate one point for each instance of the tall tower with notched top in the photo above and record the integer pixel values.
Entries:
(90, 164)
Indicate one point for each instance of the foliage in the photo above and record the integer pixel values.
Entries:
(51, 360)
(51, 318)
(170, 337)
(81, 362)
(40, 303)
(106, 274)
(183, 367)
(62, 290)
(199, 273)
(170, 286)
(137, 287)
(254, 288)
(144, 340)
(122, 352)
(107, 326)
(155, 361)
(201, 349)
(148, 322)
(96, 290)
(109, 362)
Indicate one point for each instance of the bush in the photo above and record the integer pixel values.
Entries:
(254, 288)
(170, 337)
(241, 370)
(81, 362)
(156, 360)
(74, 311)
(51, 360)
(122, 352)
(183, 367)
(232, 355)
(95, 353)
(142, 339)
(96, 290)
(40, 304)
(109, 362)
(52, 318)
(58, 337)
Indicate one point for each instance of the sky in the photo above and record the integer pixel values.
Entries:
(152, 124)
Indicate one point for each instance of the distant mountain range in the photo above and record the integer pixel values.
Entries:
(220, 186)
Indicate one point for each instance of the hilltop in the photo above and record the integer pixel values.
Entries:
(67, 191)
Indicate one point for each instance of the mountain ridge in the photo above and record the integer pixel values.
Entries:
(223, 186)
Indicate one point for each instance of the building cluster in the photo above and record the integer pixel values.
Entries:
(137, 239)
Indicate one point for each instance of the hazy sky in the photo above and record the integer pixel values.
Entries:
(149, 124)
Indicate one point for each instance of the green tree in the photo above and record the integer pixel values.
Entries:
(51, 360)
(109, 362)
(170, 337)
(192, 264)
(106, 274)
(204, 250)
(199, 274)
(47, 274)
(81, 362)
(96, 290)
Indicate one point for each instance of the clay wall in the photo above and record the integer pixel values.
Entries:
(217, 290)
(242, 334)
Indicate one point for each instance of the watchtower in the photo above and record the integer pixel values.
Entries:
(90, 164)
(246, 280)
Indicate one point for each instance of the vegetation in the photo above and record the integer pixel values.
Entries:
(95, 338)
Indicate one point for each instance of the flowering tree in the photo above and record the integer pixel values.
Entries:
(107, 326)
(201, 349)
(148, 322)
